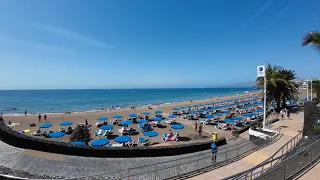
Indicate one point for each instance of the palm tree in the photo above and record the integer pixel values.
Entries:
(280, 85)
(289, 89)
(316, 87)
(313, 39)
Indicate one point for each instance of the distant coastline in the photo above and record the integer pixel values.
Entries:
(15, 102)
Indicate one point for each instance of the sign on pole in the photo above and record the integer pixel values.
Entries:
(261, 71)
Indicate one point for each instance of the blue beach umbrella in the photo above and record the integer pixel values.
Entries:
(200, 111)
(196, 105)
(227, 112)
(259, 110)
(209, 116)
(46, 125)
(228, 121)
(157, 118)
(145, 113)
(192, 112)
(175, 109)
(102, 118)
(219, 114)
(100, 142)
(190, 107)
(208, 104)
(237, 118)
(107, 127)
(126, 123)
(133, 115)
(117, 117)
(183, 107)
(177, 126)
(201, 105)
(150, 134)
(142, 121)
(56, 134)
(158, 112)
(122, 139)
(172, 116)
(80, 143)
(66, 123)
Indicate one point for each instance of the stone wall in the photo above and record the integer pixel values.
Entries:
(311, 116)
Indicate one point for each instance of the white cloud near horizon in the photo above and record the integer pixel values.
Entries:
(283, 11)
(34, 45)
(261, 10)
(69, 35)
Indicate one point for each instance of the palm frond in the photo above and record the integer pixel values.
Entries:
(313, 39)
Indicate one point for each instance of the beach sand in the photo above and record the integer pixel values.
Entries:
(187, 134)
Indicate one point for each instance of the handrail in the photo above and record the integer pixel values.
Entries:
(271, 158)
(293, 158)
(156, 167)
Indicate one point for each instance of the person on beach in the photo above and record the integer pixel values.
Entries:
(282, 114)
(200, 130)
(170, 134)
(25, 112)
(45, 117)
(288, 114)
(39, 116)
(196, 126)
(214, 150)
(1, 113)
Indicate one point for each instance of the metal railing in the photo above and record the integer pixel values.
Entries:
(293, 165)
(182, 166)
(274, 159)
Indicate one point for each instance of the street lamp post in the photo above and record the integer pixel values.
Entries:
(307, 88)
(311, 90)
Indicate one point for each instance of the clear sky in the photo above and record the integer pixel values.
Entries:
(149, 43)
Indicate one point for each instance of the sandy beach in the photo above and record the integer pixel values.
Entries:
(187, 134)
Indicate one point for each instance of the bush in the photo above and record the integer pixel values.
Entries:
(317, 129)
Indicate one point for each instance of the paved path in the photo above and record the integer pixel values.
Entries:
(312, 174)
(289, 128)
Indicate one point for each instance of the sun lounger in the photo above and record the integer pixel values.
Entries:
(129, 143)
(154, 123)
(168, 121)
(143, 141)
(115, 145)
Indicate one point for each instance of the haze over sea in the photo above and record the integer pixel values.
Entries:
(60, 101)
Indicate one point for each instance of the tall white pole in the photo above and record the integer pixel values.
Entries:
(307, 88)
(265, 98)
(311, 90)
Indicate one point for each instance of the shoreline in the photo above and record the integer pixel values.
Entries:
(143, 107)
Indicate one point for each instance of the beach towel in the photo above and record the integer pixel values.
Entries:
(14, 124)
(26, 131)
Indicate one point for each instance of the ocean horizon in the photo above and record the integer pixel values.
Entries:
(15, 102)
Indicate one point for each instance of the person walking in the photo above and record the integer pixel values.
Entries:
(288, 114)
(25, 112)
(45, 117)
(196, 126)
(200, 130)
(214, 150)
(39, 116)
(281, 114)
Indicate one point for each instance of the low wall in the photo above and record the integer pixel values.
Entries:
(311, 116)
(16, 139)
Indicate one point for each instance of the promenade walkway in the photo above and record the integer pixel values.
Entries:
(289, 129)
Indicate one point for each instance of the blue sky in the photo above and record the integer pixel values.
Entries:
(148, 43)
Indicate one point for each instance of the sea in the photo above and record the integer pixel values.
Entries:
(15, 102)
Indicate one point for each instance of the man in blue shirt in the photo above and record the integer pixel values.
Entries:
(214, 150)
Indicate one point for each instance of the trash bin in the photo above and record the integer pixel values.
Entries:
(214, 136)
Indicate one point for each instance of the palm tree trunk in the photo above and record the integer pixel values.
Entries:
(284, 102)
(278, 106)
